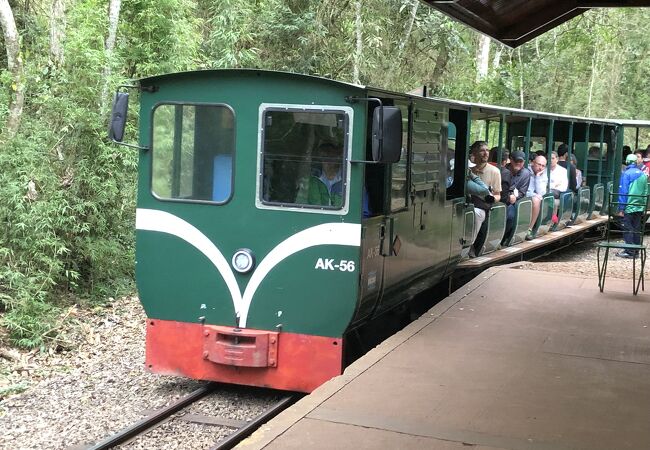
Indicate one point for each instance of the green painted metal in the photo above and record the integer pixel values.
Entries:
(500, 151)
(565, 210)
(549, 150)
(405, 246)
(523, 214)
(609, 187)
(177, 282)
(570, 143)
(545, 218)
(600, 153)
(597, 201)
(582, 204)
(585, 170)
(529, 125)
(496, 228)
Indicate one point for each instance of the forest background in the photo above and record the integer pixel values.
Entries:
(67, 196)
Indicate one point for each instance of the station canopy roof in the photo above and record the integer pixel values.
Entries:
(515, 22)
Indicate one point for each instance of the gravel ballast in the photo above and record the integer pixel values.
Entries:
(99, 386)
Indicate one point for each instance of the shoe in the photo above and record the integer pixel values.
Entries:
(530, 236)
(624, 254)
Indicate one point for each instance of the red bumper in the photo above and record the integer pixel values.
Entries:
(288, 361)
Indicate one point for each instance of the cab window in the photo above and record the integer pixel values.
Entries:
(192, 152)
(303, 158)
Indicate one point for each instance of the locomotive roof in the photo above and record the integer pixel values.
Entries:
(479, 110)
(207, 72)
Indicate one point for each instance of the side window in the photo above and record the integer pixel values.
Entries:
(399, 179)
(192, 152)
(451, 154)
(303, 158)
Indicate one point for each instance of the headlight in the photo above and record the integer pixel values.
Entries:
(243, 260)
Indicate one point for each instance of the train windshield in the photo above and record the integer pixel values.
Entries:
(192, 152)
(303, 158)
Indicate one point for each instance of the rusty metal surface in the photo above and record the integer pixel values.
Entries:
(242, 433)
(152, 420)
(212, 420)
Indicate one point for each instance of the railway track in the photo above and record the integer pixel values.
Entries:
(242, 428)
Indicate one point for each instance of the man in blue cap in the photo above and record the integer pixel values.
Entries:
(632, 209)
(514, 185)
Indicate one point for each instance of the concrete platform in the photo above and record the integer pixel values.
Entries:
(516, 359)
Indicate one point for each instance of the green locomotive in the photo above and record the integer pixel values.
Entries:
(276, 212)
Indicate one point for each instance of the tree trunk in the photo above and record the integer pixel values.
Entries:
(496, 62)
(15, 65)
(359, 49)
(409, 29)
(113, 20)
(57, 31)
(482, 57)
(441, 61)
(591, 82)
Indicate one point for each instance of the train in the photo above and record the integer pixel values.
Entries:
(278, 212)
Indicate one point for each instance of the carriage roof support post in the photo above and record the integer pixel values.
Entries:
(529, 127)
(468, 139)
(549, 149)
(636, 140)
(600, 152)
(500, 151)
(585, 170)
(618, 157)
(570, 144)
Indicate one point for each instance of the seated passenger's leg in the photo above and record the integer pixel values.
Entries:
(479, 218)
(480, 237)
(537, 202)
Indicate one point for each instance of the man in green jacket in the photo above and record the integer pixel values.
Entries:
(326, 184)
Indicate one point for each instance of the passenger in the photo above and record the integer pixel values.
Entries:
(514, 185)
(563, 153)
(492, 178)
(626, 151)
(537, 188)
(476, 187)
(579, 180)
(559, 179)
(505, 157)
(646, 160)
(449, 180)
(494, 155)
(326, 183)
(632, 209)
(639, 162)
(594, 152)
